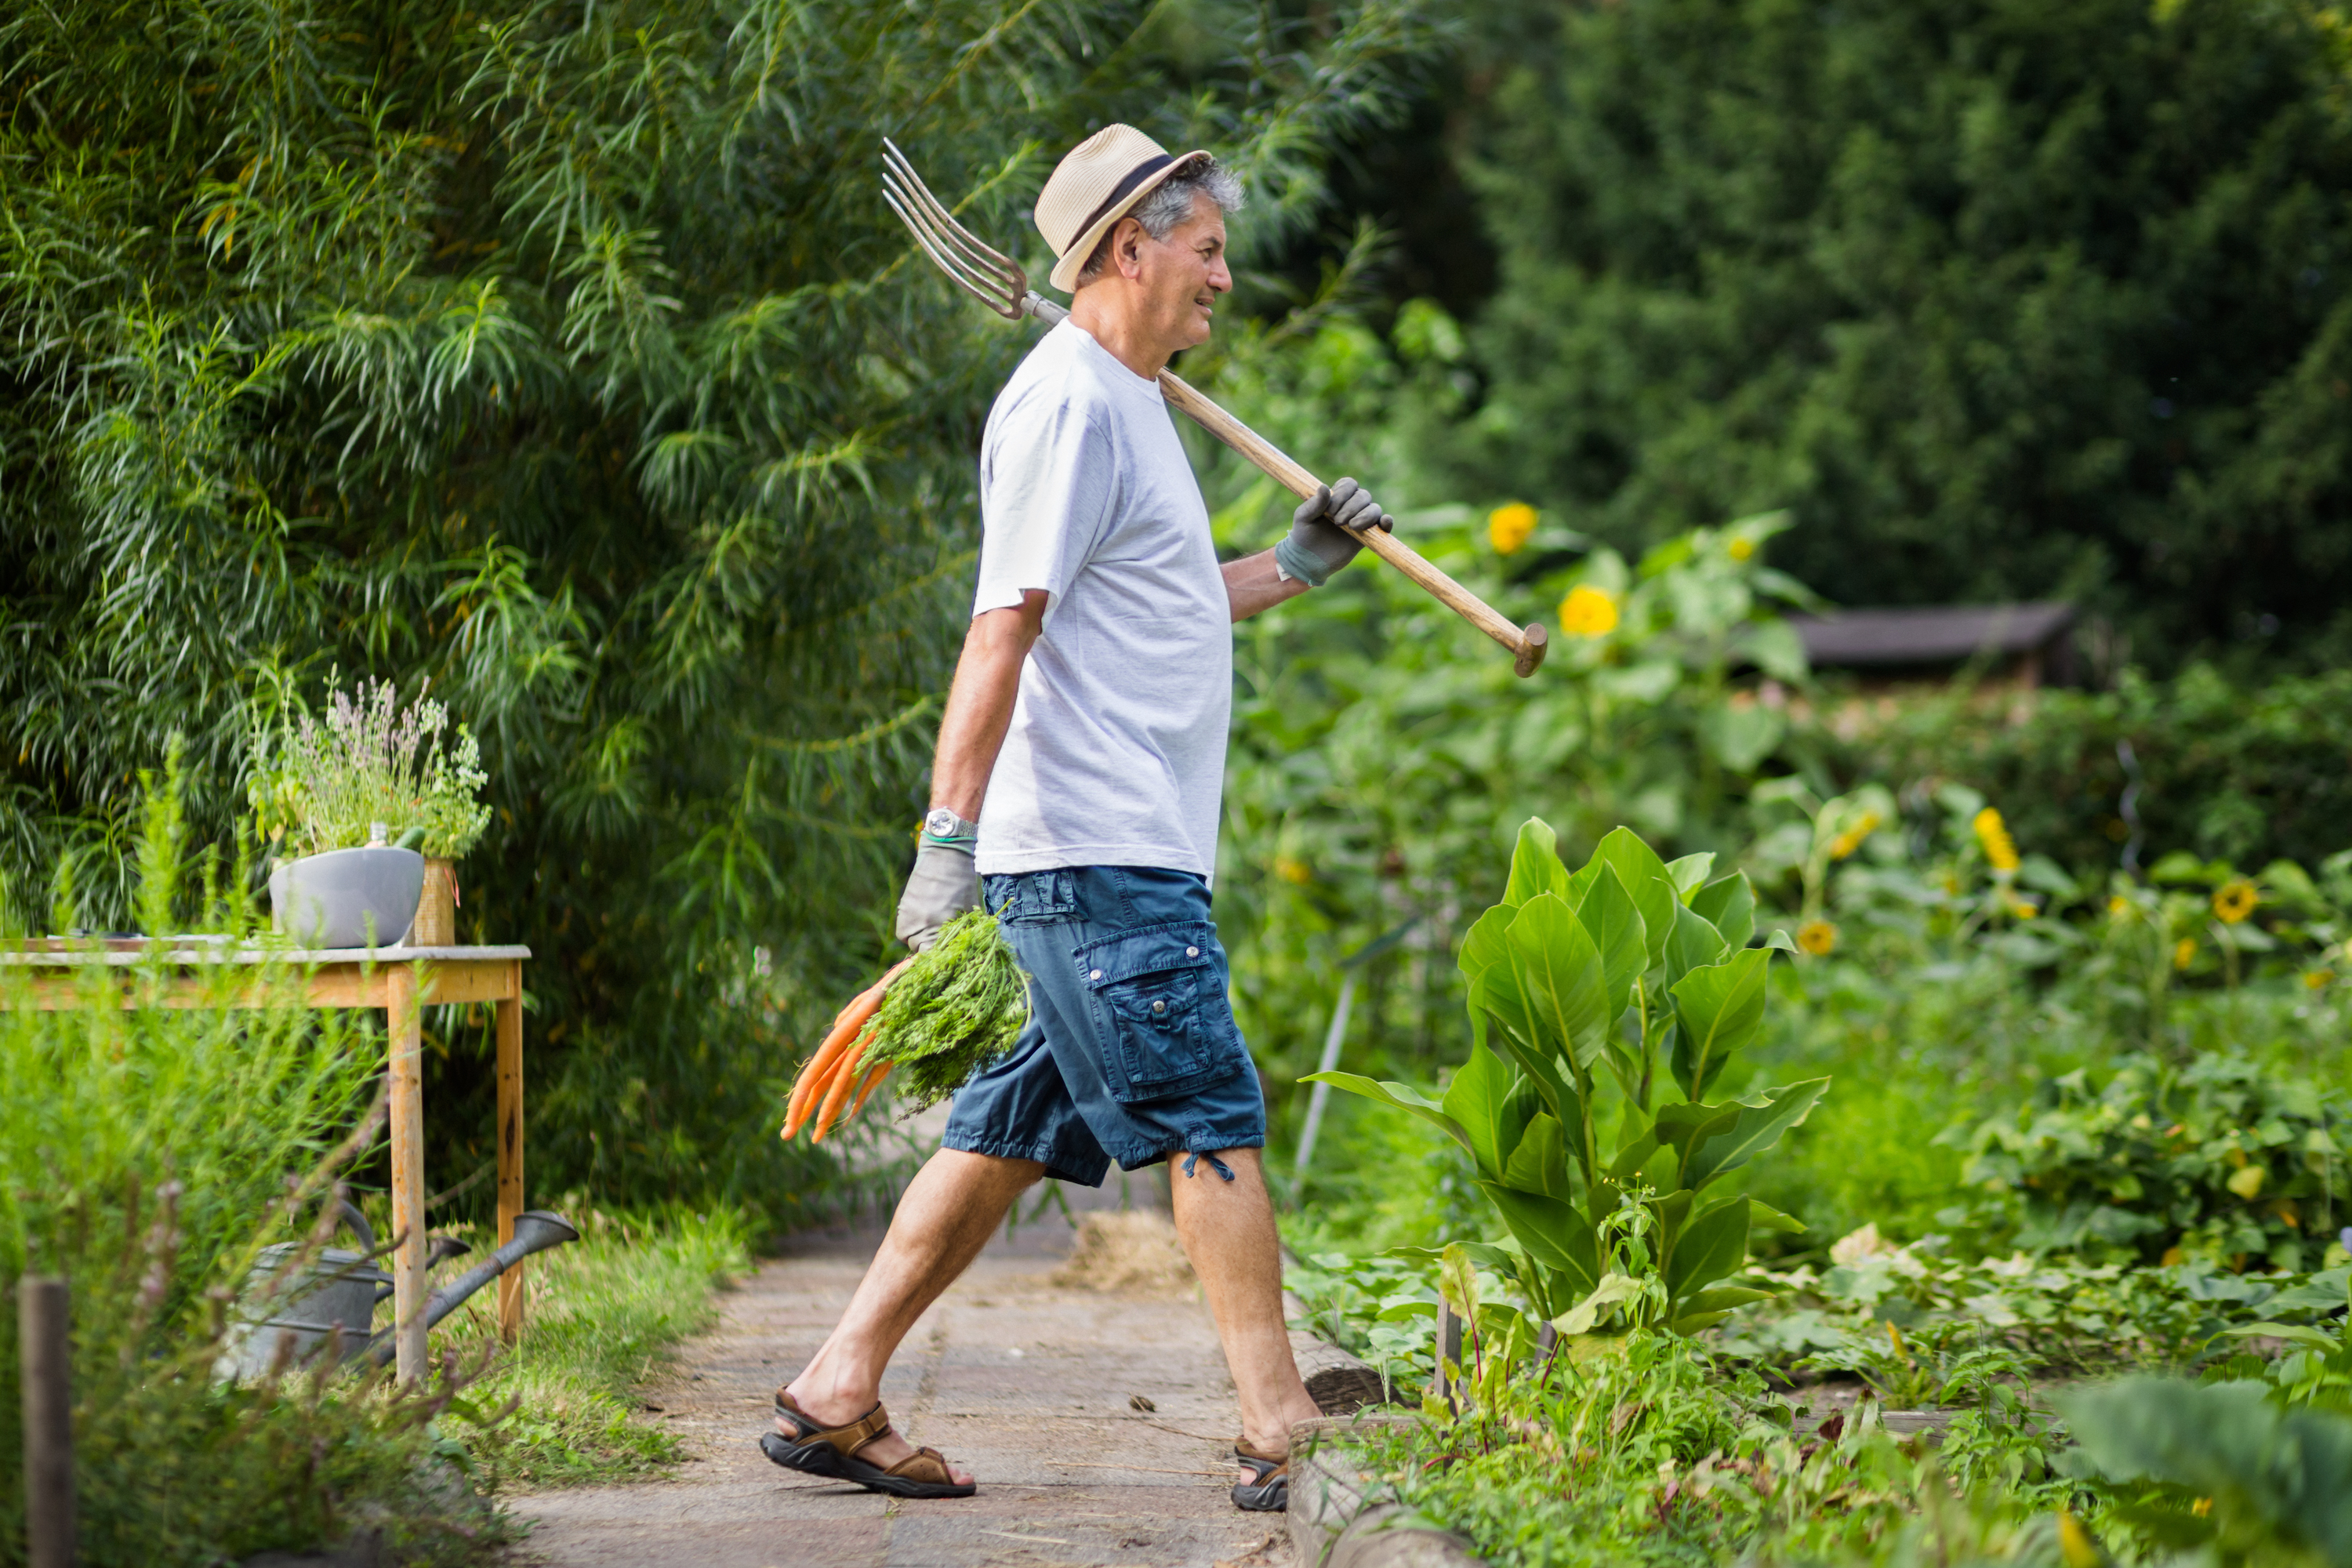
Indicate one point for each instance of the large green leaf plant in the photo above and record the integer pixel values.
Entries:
(1604, 1004)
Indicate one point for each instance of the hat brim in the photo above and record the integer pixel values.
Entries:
(1065, 275)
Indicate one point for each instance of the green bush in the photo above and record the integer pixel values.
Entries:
(2217, 1159)
(147, 1152)
(2227, 767)
(567, 356)
(1999, 301)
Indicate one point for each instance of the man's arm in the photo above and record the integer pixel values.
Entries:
(1252, 583)
(980, 701)
(943, 883)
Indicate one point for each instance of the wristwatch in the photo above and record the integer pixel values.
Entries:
(942, 826)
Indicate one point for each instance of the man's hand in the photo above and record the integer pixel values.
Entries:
(942, 886)
(1326, 530)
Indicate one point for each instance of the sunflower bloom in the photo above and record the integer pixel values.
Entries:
(1846, 843)
(1296, 872)
(1741, 549)
(1509, 527)
(1818, 938)
(2184, 953)
(1588, 612)
(2234, 899)
(1993, 833)
(2119, 907)
(2317, 979)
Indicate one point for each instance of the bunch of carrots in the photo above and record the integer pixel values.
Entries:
(824, 1082)
(941, 1015)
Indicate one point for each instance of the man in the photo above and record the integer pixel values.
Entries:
(1079, 767)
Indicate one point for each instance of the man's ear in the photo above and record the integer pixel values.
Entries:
(1126, 247)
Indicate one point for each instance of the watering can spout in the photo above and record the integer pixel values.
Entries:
(535, 1230)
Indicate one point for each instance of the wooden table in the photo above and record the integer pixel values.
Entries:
(400, 981)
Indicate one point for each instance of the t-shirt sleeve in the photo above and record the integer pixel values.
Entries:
(1045, 494)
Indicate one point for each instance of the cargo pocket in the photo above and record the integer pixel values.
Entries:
(1032, 898)
(1160, 1010)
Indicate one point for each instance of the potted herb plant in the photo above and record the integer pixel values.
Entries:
(368, 814)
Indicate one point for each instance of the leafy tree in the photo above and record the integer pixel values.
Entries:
(567, 357)
(2001, 300)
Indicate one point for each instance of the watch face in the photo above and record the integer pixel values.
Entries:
(941, 822)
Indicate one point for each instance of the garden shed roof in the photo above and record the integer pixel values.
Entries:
(1937, 634)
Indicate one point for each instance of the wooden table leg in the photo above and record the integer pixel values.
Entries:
(402, 1023)
(511, 1204)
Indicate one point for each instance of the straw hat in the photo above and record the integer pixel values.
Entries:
(1096, 184)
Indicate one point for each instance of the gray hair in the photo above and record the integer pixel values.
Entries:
(1169, 203)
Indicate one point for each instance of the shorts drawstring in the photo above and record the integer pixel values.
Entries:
(1194, 1158)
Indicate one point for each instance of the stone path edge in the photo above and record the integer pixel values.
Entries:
(1340, 1514)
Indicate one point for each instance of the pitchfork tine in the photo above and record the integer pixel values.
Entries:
(913, 209)
(996, 260)
(1003, 293)
(989, 291)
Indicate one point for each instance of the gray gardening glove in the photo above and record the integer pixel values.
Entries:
(1325, 531)
(942, 886)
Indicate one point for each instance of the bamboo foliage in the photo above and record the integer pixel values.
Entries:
(566, 356)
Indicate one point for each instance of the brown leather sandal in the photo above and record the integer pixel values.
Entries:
(1268, 1488)
(820, 1450)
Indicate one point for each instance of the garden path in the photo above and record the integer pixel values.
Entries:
(1022, 1380)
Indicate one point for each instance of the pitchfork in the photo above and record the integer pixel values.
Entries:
(996, 281)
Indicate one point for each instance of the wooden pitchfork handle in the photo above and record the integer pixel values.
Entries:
(1528, 644)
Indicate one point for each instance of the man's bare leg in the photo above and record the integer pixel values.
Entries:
(947, 1214)
(1227, 1229)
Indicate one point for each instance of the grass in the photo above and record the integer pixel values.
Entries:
(607, 1313)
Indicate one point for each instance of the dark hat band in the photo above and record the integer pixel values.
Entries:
(1125, 188)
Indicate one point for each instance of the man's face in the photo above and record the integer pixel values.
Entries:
(1182, 276)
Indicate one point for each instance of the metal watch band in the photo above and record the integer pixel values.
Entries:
(942, 826)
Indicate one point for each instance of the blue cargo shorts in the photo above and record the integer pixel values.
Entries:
(1131, 1052)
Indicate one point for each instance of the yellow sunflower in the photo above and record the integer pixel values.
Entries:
(1507, 527)
(1588, 611)
(1741, 548)
(2234, 899)
(1296, 872)
(1817, 937)
(2184, 953)
(1846, 843)
(1993, 833)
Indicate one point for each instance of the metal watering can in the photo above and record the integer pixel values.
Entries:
(326, 1310)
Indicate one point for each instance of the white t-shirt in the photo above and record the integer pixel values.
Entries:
(1117, 753)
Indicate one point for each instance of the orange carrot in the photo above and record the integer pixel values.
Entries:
(881, 1070)
(844, 1078)
(808, 1088)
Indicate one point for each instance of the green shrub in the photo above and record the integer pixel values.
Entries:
(1972, 289)
(147, 1152)
(2217, 1471)
(2218, 1160)
(2234, 768)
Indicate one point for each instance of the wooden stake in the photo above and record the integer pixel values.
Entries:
(44, 1347)
(1449, 1349)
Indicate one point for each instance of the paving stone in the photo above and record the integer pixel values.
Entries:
(1025, 1384)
